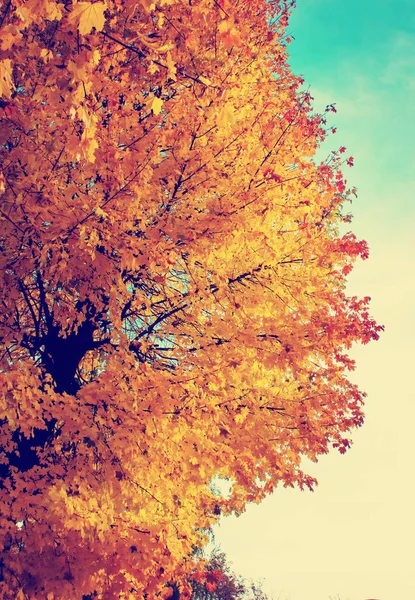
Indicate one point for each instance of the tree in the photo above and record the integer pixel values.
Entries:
(173, 286)
(218, 582)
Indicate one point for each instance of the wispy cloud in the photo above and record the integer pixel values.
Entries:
(400, 66)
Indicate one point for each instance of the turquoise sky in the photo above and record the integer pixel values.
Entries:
(353, 537)
(361, 55)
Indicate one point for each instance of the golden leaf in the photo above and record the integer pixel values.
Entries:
(171, 67)
(87, 15)
(155, 104)
(6, 81)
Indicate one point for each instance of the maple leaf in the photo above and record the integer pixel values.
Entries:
(6, 81)
(171, 67)
(155, 104)
(87, 16)
(10, 35)
(229, 33)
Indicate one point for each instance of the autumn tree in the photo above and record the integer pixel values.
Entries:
(172, 286)
(218, 582)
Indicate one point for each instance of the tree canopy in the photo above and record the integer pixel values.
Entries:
(218, 582)
(172, 286)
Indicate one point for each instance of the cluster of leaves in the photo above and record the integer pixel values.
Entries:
(172, 286)
(218, 582)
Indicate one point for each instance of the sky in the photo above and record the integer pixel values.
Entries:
(353, 538)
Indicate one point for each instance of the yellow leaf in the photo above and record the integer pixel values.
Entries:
(165, 48)
(205, 80)
(155, 105)
(46, 55)
(89, 146)
(6, 82)
(153, 68)
(86, 16)
(101, 213)
(240, 417)
(96, 55)
(171, 67)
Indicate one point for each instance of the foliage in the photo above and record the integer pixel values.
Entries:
(172, 286)
(217, 581)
